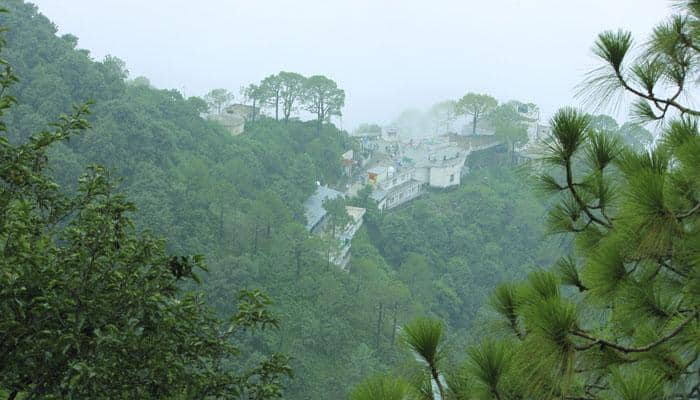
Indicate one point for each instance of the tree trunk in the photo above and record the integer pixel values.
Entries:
(221, 223)
(380, 316)
(475, 117)
(328, 258)
(12, 395)
(393, 331)
(319, 121)
(321, 115)
(287, 110)
(277, 107)
(436, 376)
(255, 240)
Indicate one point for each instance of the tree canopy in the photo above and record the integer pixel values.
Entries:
(323, 98)
(90, 307)
(617, 317)
(217, 99)
(477, 106)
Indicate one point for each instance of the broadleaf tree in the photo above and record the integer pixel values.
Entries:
(91, 307)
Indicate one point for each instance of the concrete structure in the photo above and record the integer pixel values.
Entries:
(367, 134)
(403, 169)
(390, 134)
(397, 195)
(393, 186)
(530, 115)
(386, 176)
(234, 117)
(313, 208)
(438, 166)
(341, 255)
(317, 222)
(484, 127)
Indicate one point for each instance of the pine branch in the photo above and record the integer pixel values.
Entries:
(623, 349)
(690, 212)
(670, 268)
(670, 102)
(577, 197)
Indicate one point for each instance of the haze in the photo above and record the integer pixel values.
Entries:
(388, 56)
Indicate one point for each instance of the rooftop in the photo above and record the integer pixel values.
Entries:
(313, 206)
(355, 213)
(435, 156)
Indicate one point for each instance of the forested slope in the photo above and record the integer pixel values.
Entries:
(463, 242)
(238, 200)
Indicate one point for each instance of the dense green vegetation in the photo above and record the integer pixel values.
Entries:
(92, 308)
(452, 247)
(618, 317)
(238, 200)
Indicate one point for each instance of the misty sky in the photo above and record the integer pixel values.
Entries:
(387, 55)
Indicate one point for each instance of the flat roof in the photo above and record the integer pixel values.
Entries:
(313, 206)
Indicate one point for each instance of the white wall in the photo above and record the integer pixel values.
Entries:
(422, 174)
(445, 176)
(395, 180)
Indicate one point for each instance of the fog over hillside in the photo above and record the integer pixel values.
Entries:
(359, 200)
(388, 55)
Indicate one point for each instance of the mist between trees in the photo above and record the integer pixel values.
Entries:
(150, 253)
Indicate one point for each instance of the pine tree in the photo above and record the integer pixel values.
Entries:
(618, 318)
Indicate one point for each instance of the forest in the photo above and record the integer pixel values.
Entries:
(148, 253)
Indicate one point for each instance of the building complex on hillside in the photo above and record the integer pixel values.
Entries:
(340, 256)
(400, 169)
(392, 188)
(317, 220)
(404, 170)
(316, 215)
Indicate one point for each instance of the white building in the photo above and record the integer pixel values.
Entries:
(317, 221)
(391, 187)
(234, 117)
(437, 166)
(313, 208)
(341, 255)
(390, 134)
(394, 197)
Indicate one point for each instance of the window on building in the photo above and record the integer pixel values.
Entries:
(452, 178)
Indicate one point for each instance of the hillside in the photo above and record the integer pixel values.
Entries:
(238, 200)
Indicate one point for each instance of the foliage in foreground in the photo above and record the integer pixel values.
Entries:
(618, 318)
(90, 307)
